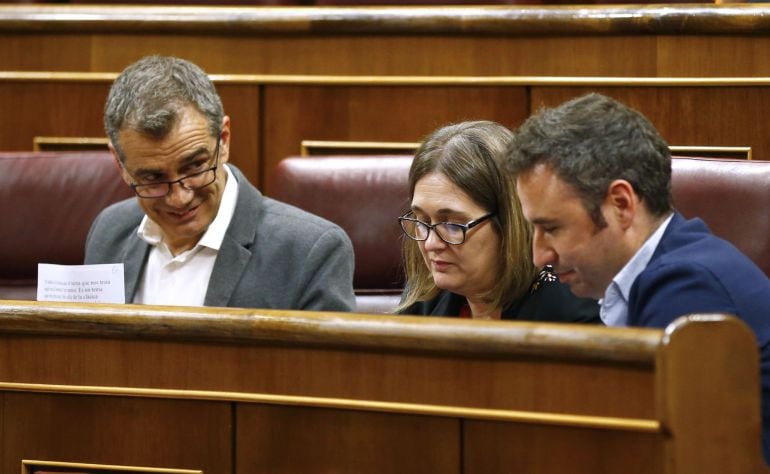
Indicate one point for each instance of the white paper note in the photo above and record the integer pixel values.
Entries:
(81, 283)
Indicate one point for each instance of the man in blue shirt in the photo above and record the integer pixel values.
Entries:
(594, 179)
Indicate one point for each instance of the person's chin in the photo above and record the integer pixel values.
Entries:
(580, 290)
(443, 282)
(567, 276)
(189, 228)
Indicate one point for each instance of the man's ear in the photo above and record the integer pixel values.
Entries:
(119, 163)
(622, 202)
(224, 146)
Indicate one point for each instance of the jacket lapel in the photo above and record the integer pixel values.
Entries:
(236, 250)
(133, 263)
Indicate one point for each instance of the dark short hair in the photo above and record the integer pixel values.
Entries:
(470, 155)
(148, 95)
(591, 141)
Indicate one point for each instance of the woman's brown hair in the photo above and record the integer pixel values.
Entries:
(470, 155)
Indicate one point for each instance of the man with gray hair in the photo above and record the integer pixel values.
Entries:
(198, 233)
(594, 179)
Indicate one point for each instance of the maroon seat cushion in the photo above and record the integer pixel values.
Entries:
(47, 202)
(732, 197)
(362, 194)
(365, 194)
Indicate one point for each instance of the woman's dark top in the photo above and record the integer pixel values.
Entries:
(547, 300)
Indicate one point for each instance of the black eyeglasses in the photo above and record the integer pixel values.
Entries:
(191, 182)
(449, 232)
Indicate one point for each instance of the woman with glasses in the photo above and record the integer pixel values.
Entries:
(468, 248)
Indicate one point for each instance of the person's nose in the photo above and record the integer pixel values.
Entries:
(434, 242)
(179, 196)
(542, 252)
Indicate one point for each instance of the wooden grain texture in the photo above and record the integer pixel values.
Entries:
(242, 103)
(501, 20)
(345, 441)
(376, 113)
(327, 329)
(49, 108)
(115, 430)
(272, 115)
(493, 447)
(715, 116)
(364, 54)
(42, 51)
(741, 55)
(606, 390)
(75, 109)
(402, 393)
(597, 40)
(693, 382)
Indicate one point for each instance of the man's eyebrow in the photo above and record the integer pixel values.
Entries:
(543, 221)
(194, 155)
(187, 159)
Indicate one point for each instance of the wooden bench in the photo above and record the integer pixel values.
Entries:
(243, 391)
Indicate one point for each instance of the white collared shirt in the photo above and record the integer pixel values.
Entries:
(614, 306)
(183, 280)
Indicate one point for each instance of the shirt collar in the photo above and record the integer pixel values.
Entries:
(620, 287)
(627, 275)
(150, 231)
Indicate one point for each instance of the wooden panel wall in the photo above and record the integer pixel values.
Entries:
(689, 115)
(50, 108)
(609, 40)
(243, 103)
(336, 374)
(346, 441)
(493, 447)
(362, 55)
(376, 113)
(180, 434)
(519, 46)
(271, 115)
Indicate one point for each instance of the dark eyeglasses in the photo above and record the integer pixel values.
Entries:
(191, 182)
(449, 232)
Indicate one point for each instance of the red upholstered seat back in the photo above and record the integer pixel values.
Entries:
(363, 195)
(732, 197)
(49, 199)
(47, 203)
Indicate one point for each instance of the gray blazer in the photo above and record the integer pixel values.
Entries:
(273, 255)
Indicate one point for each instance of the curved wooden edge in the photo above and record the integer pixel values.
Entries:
(720, 152)
(700, 354)
(485, 20)
(482, 81)
(340, 330)
(29, 464)
(517, 416)
(326, 147)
